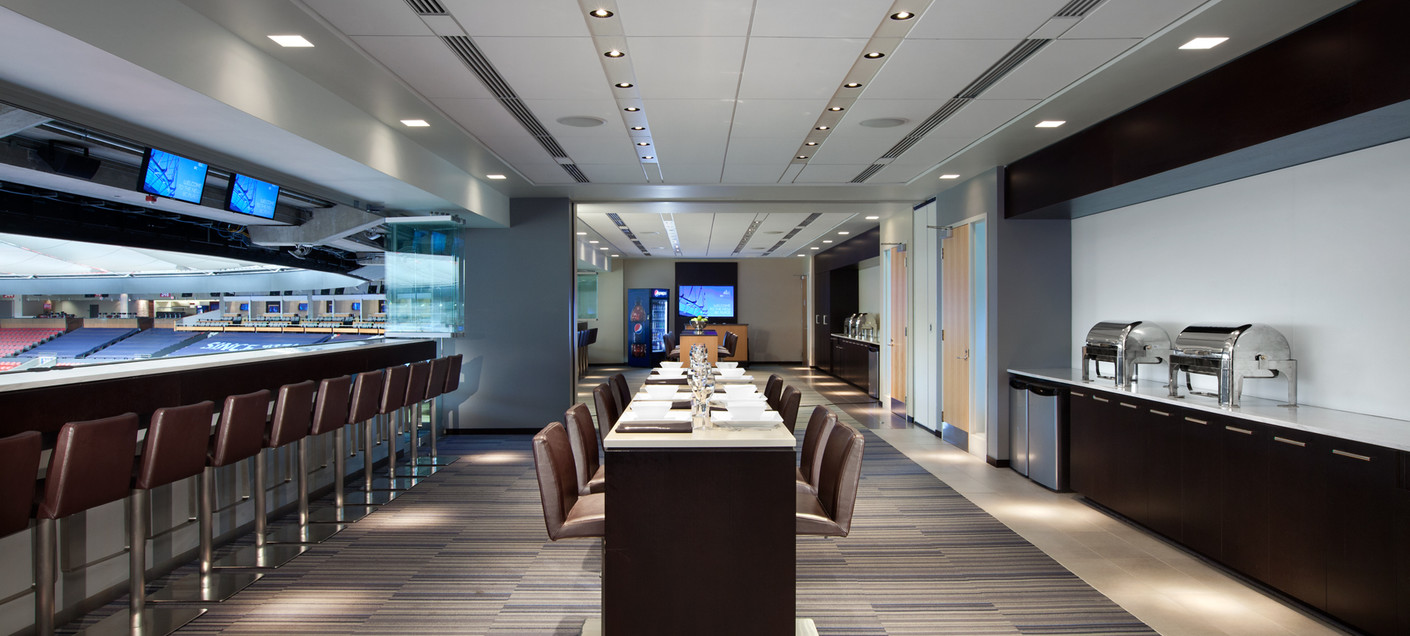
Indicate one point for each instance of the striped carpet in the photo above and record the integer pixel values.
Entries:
(466, 552)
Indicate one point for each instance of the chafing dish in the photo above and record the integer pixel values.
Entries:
(1124, 344)
(1231, 354)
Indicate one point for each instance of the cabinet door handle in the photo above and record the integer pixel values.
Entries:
(1100, 399)
(1191, 419)
(1078, 394)
(1129, 406)
(1160, 413)
(1289, 441)
(1351, 455)
(1238, 430)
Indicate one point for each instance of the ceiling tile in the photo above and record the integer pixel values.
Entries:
(984, 19)
(686, 68)
(904, 172)
(427, 64)
(683, 172)
(518, 18)
(851, 143)
(600, 148)
(775, 152)
(776, 117)
(753, 173)
(977, 119)
(1056, 65)
(370, 17)
(726, 232)
(548, 68)
(829, 173)
(613, 173)
(1131, 18)
(549, 111)
(792, 68)
(487, 120)
(935, 69)
(689, 131)
(685, 18)
(818, 18)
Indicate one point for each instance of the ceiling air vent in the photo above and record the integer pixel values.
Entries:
(572, 170)
(912, 138)
(1007, 63)
(622, 225)
(1077, 8)
(866, 174)
(427, 7)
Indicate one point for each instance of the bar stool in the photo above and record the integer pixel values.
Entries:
(91, 465)
(452, 385)
(366, 399)
(393, 398)
(19, 466)
(175, 449)
(292, 411)
(291, 424)
(331, 414)
(238, 437)
(418, 382)
(440, 370)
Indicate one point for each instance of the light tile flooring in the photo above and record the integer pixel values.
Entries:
(1173, 591)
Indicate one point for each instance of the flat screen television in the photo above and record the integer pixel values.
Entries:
(272, 308)
(174, 177)
(357, 307)
(715, 301)
(248, 195)
(244, 306)
(303, 306)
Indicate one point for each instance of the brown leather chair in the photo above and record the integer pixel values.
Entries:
(418, 387)
(362, 409)
(788, 406)
(668, 341)
(810, 458)
(607, 410)
(621, 391)
(393, 398)
(290, 423)
(565, 513)
(772, 390)
(330, 417)
(19, 468)
(440, 369)
(582, 437)
(728, 345)
(91, 465)
(829, 513)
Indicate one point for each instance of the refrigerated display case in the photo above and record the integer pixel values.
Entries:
(647, 321)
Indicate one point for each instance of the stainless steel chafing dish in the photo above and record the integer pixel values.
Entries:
(1124, 344)
(1232, 353)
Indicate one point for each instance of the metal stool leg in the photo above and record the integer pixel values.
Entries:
(139, 620)
(304, 533)
(394, 481)
(261, 555)
(369, 495)
(435, 459)
(416, 466)
(46, 567)
(342, 511)
(205, 586)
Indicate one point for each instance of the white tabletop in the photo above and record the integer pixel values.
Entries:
(723, 436)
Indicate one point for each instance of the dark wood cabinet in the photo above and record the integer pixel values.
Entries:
(1243, 496)
(1199, 482)
(1297, 515)
(1163, 428)
(1090, 468)
(851, 362)
(1361, 541)
(1402, 542)
(1128, 489)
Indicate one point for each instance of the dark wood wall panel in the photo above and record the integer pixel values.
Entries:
(1346, 64)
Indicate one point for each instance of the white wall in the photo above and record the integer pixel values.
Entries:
(869, 286)
(1318, 251)
(611, 345)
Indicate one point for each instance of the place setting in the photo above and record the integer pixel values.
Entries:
(693, 401)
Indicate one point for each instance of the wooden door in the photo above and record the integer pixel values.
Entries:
(954, 328)
(900, 309)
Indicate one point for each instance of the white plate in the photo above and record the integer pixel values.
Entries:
(674, 397)
(768, 420)
(670, 416)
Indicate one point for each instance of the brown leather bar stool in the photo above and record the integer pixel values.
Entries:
(810, 457)
(91, 465)
(829, 513)
(293, 408)
(565, 513)
(438, 386)
(19, 467)
(238, 437)
(418, 386)
(331, 415)
(607, 410)
(772, 390)
(175, 449)
(388, 410)
(366, 400)
(788, 406)
(620, 391)
(291, 423)
(583, 439)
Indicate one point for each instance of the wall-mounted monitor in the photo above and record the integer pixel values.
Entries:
(244, 306)
(174, 177)
(715, 301)
(303, 306)
(248, 195)
(357, 307)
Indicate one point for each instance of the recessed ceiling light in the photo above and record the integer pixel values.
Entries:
(600, 13)
(631, 109)
(414, 123)
(873, 218)
(836, 109)
(822, 128)
(852, 85)
(604, 248)
(811, 143)
(615, 53)
(582, 233)
(616, 255)
(1049, 123)
(827, 240)
(801, 255)
(291, 41)
(643, 143)
(815, 248)
(638, 127)
(593, 242)
(904, 15)
(874, 54)
(844, 233)
(649, 157)
(496, 177)
(949, 176)
(624, 85)
(1203, 43)
(801, 157)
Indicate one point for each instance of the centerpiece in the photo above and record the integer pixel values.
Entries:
(698, 323)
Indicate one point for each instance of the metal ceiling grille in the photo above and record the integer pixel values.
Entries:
(1077, 8)
(622, 225)
(573, 171)
(1007, 63)
(748, 234)
(871, 170)
(427, 7)
(792, 233)
(921, 130)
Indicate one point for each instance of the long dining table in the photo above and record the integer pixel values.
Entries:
(699, 529)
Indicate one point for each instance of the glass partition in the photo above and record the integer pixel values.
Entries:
(424, 278)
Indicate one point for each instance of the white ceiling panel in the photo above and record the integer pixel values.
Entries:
(776, 117)
(793, 68)
(370, 17)
(771, 151)
(984, 19)
(977, 119)
(753, 173)
(685, 172)
(549, 111)
(935, 69)
(545, 173)
(686, 68)
(603, 147)
(696, 232)
(548, 68)
(427, 64)
(1059, 63)
(830, 173)
(494, 127)
(726, 232)
(818, 18)
(850, 142)
(1131, 18)
(685, 18)
(521, 18)
(689, 130)
(613, 173)
(904, 172)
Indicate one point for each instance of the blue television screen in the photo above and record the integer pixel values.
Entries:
(357, 306)
(244, 306)
(167, 175)
(716, 301)
(248, 195)
(303, 306)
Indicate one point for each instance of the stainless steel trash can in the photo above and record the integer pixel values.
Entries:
(1018, 426)
(1046, 427)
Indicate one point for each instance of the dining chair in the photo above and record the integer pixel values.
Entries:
(607, 410)
(788, 406)
(621, 391)
(565, 513)
(772, 389)
(582, 436)
(829, 513)
(820, 426)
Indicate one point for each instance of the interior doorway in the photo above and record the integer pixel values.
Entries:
(898, 302)
(955, 354)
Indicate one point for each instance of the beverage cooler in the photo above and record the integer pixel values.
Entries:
(647, 312)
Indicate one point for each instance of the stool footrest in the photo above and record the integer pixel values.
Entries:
(307, 535)
(211, 588)
(350, 513)
(266, 558)
(155, 622)
(374, 498)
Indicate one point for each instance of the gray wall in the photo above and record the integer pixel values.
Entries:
(519, 367)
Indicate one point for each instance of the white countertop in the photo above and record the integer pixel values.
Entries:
(864, 341)
(1356, 427)
(707, 438)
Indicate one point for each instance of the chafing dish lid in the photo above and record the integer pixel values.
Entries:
(1214, 340)
(1109, 333)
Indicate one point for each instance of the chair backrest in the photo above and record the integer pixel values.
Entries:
(19, 467)
(330, 408)
(772, 390)
(592, 336)
(91, 465)
(553, 462)
(418, 380)
(241, 431)
(293, 414)
(453, 373)
(668, 339)
(607, 411)
(176, 444)
(620, 391)
(731, 342)
(437, 385)
(366, 396)
(819, 428)
(582, 438)
(841, 472)
(394, 388)
(788, 406)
